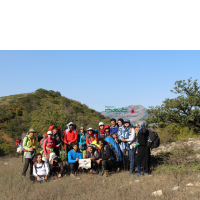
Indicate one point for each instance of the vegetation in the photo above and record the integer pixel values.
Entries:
(41, 109)
(179, 117)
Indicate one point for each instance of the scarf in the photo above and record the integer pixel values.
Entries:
(126, 136)
(32, 141)
(102, 130)
(91, 135)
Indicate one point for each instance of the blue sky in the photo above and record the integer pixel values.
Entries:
(99, 78)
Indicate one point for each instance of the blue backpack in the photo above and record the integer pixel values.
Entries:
(116, 154)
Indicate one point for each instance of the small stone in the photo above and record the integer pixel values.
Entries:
(78, 178)
(103, 181)
(5, 163)
(190, 185)
(176, 188)
(157, 193)
(197, 184)
(173, 143)
(191, 192)
(130, 182)
(137, 181)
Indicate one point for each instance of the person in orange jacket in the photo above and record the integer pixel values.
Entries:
(70, 136)
(91, 136)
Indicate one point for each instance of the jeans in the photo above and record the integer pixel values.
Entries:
(131, 154)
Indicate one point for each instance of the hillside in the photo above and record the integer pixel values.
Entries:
(140, 113)
(41, 109)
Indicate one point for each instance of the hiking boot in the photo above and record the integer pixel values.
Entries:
(137, 175)
(146, 174)
(106, 174)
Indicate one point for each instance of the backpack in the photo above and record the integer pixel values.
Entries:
(115, 151)
(35, 164)
(153, 140)
(23, 135)
(42, 141)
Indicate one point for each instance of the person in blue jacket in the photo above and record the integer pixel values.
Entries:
(120, 134)
(82, 141)
(73, 157)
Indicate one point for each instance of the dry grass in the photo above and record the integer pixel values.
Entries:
(117, 186)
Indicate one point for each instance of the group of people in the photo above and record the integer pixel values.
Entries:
(113, 146)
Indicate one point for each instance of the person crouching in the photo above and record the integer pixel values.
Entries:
(105, 157)
(73, 157)
(94, 156)
(40, 170)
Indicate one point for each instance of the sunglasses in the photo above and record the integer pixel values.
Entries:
(70, 125)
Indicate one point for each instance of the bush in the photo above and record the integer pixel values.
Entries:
(5, 147)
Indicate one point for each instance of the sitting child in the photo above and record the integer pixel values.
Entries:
(40, 169)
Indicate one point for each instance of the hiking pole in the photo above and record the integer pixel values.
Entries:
(22, 156)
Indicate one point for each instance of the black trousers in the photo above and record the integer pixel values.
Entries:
(73, 167)
(26, 165)
(107, 164)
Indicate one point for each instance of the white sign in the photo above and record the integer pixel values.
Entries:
(85, 163)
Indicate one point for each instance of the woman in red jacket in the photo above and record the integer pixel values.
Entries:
(91, 136)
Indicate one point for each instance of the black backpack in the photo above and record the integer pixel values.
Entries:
(153, 140)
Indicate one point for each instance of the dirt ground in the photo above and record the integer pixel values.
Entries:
(85, 186)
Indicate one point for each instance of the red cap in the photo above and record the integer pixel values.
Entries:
(106, 126)
(51, 128)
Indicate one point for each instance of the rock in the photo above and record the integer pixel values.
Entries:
(137, 181)
(190, 185)
(130, 182)
(78, 178)
(157, 193)
(191, 192)
(198, 156)
(197, 184)
(173, 143)
(5, 163)
(176, 188)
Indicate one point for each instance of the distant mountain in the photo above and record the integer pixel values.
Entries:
(139, 113)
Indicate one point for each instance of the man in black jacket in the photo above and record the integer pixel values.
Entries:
(105, 156)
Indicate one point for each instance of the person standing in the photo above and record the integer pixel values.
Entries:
(82, 141)
(130, 143)
(113, 128)
(92, 136)
(101, 131)
(49, 145)
(70, 136)
(58, 140)
(143, 157)
(29, 142)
